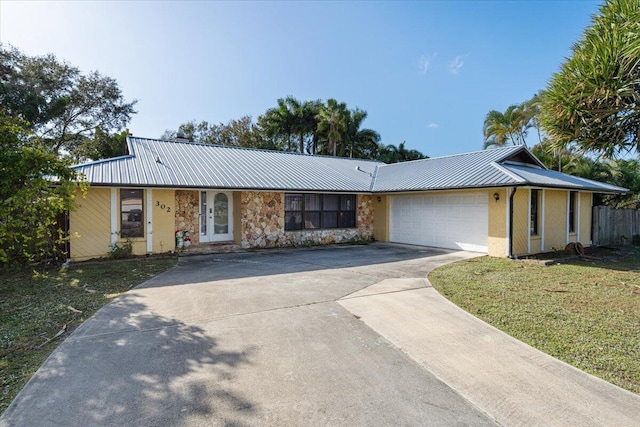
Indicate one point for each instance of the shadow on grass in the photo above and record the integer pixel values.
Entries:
(149, 370)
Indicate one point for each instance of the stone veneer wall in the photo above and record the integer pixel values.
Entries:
(262, 220)
(262, 223)
(188, 214)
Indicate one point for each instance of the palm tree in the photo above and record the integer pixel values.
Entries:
(360, 143)
(278, 122)
(392, 154)
(332, 124)
(500, 128)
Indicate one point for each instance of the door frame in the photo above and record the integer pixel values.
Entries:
(211, 236)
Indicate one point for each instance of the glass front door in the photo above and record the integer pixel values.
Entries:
(216, 216)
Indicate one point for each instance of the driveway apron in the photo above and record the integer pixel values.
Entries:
(246, 339)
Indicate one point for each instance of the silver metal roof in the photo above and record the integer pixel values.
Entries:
(469, 170)
(171, 164)
(550, 178)
(182, 164)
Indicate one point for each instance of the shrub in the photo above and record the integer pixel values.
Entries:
(121, 251)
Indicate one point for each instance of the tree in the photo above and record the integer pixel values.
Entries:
(594, 99)
(242, 132)
(510, 126)
(332, 125)
(103, 146)
(392, 154)
(278, 123)
(61, 106)
(360, 143)
(36, 188)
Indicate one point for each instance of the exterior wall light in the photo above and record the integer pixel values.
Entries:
(379, 199)
(496, 196)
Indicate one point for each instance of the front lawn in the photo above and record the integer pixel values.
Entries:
(586, 313)
(38, 309)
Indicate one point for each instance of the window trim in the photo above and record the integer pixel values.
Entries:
(320, 213)
(122, 212)
(571, 212)
(534, 212)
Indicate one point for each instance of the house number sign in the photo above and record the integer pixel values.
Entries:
(163, 206)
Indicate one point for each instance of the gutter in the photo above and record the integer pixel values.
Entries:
(510, 254)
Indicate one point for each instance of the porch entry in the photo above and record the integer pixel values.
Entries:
(216, 216)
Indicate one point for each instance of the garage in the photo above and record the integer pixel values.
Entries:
(453, 221)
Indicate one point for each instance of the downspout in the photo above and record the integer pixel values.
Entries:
(511, 222)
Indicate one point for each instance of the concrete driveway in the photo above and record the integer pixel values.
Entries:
(246, 339)
(343, 336)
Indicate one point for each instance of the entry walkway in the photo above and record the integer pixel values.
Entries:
(510, 381)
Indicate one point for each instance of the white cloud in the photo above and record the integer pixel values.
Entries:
(456, 64)
(432, 125)
(425, 62)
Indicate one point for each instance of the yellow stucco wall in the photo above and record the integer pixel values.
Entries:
(497, 223)
(520, 221)
(381, 218)
(585, 218)
(163, 220)
(555, 217)
(90, 225)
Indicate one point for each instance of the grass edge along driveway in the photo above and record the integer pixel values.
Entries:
(40, 308)
(585, 313)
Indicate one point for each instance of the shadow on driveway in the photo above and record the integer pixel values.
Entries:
(205, 268)
(149, 376)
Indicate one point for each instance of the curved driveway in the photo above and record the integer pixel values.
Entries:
(246, 339)
(351, 335)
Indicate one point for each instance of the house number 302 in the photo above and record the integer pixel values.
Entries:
(163, 206)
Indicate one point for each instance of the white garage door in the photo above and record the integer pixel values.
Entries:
(443, 221)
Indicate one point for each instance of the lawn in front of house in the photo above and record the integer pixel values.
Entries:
(586, 313)
(39, 309)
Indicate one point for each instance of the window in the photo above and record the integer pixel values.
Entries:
(131, 214)
(534, 213)
(572, 211)
(312, 211)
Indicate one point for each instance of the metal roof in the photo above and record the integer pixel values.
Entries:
(469, 170)
(184, 164)
(549, 178)
(170, 164)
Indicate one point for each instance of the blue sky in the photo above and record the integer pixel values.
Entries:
(426, 72)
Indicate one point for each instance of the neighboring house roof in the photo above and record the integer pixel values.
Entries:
(170, 164)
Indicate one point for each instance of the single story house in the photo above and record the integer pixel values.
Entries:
(502, 201)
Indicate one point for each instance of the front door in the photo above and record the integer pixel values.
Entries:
(216, 216)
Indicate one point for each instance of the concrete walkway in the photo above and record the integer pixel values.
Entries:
(512, 382)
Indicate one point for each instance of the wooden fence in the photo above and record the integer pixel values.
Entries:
(615, 226)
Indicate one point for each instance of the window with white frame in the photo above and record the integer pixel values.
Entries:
(131, 213)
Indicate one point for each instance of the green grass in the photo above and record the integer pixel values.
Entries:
(586, 313)
(37, 305)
